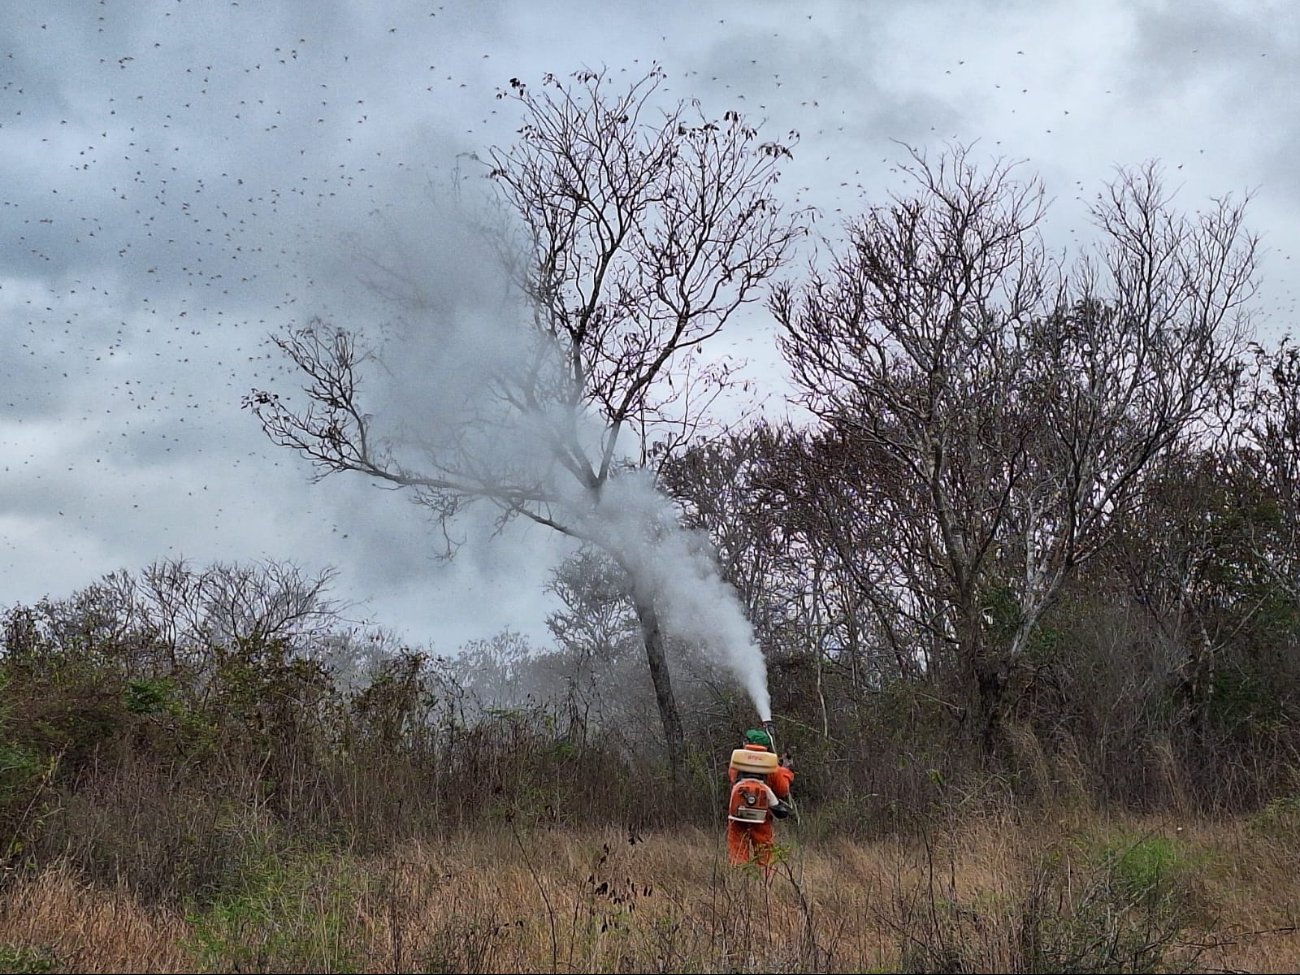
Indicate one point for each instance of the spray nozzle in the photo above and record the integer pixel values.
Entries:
(770, 727)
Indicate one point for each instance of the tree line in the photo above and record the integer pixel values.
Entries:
(991, 421)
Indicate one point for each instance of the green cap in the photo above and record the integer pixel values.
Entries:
(756, 737)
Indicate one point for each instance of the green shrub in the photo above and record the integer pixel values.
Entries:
(1279, 821)
(150, 696)
(24, 772)
(1126, 908)
(1145, 869)
(284, 911)
(21, 769)
(16, 960)
(1109, 906)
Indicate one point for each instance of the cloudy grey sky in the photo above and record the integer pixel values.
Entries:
(179, 178)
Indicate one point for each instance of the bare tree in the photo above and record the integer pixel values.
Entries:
(1003, 409)
(597, 636)
(172, 617)
(643, 231)
(840, 533)
(718, 484)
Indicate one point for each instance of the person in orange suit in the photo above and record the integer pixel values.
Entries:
(750, 839)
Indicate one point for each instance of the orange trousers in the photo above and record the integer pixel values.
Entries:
(751, 842)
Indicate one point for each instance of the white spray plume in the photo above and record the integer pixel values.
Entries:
(445, 348)
(635, 521)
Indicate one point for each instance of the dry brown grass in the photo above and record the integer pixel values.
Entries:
(55, 915)
(604, 901)
(509, 900)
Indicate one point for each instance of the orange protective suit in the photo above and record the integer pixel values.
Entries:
(753, 842)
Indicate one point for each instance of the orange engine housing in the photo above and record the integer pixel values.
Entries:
(750, 799)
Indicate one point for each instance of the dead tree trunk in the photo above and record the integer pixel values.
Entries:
(657, 657)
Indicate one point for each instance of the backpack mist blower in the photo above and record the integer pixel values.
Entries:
(751, 797)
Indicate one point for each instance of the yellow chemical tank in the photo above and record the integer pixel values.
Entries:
(745, 760)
